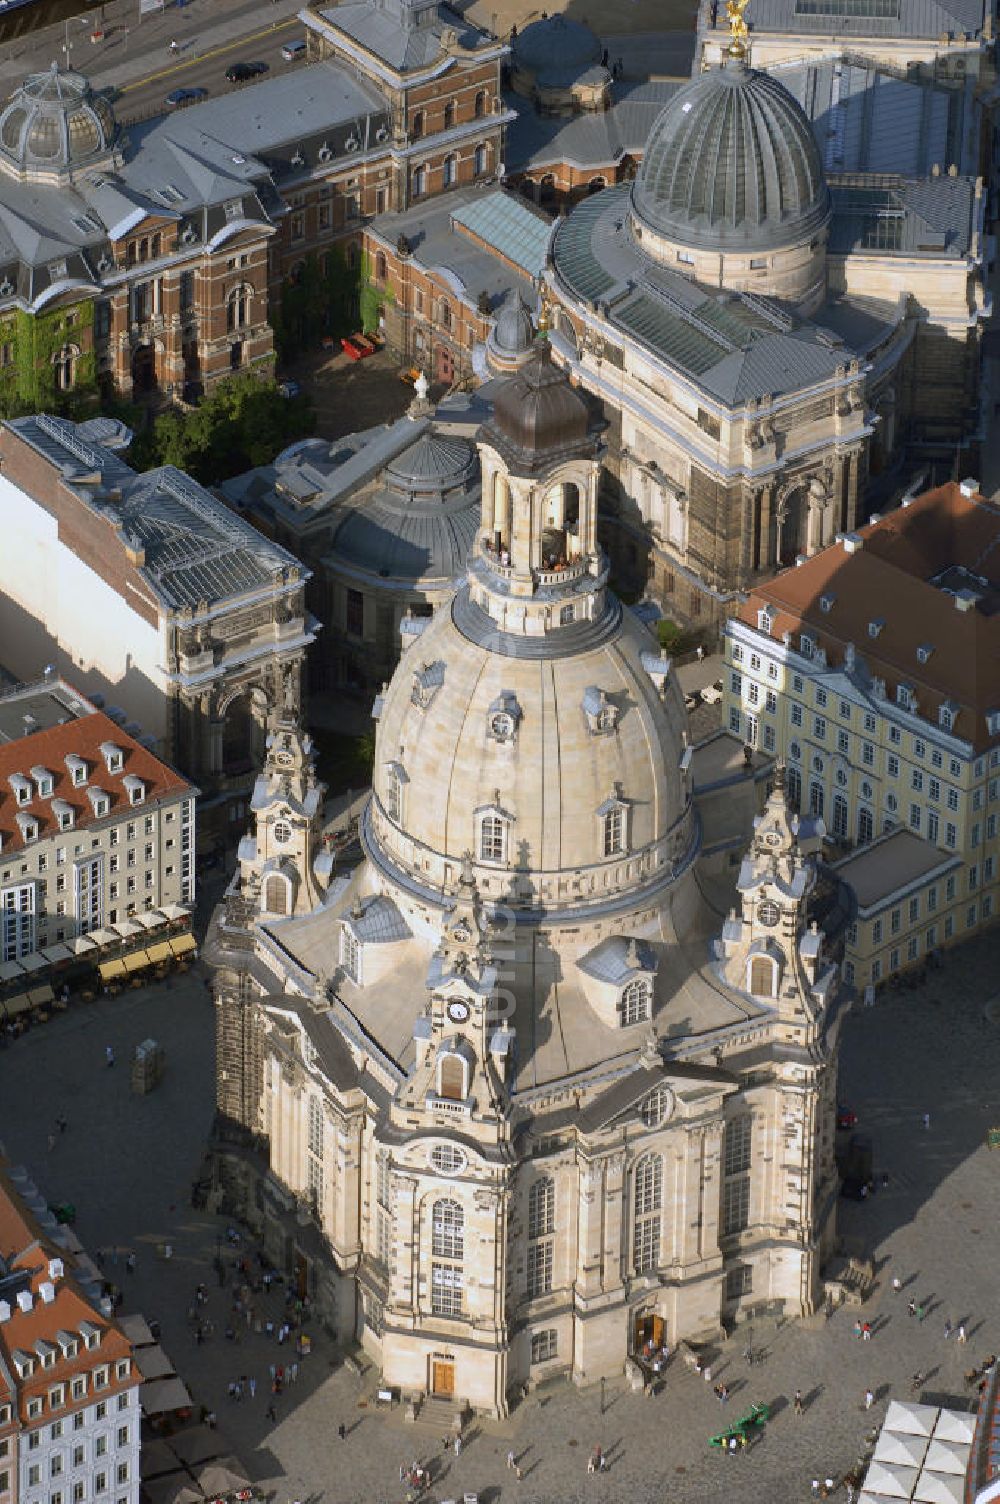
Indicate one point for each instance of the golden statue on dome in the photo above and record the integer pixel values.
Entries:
(738, 31)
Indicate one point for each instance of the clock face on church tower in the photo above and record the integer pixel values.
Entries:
(458, 1012)
(768, 914)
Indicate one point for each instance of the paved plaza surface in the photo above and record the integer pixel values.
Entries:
(128, 1163)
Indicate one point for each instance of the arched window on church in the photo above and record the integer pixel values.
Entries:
(276, 894)
(635, 1000)
(393, 793)
(64, 367)
(238, 308)
(451, 1078)
(492, 839)
(613, 830)
(350, 954)
(647, 1202)
(541, 1227)
(762, 976)
(447, 1255)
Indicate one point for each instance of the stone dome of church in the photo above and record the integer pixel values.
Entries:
(54, 124)
(732, 164)
(546, 743)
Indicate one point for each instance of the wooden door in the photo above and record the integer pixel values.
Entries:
(443, 1378)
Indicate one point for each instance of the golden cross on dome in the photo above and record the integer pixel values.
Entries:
(738, 31)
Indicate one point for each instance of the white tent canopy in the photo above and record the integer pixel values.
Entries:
(940, 1488)
(894, 1446)
(912, 1420)
(889, 1478)
(953, 1425)
(947, 1456)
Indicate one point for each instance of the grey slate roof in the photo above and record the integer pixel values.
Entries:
(558, 51)
(591, 139)
(611, 960)
(737, 347)
(405, 36)
(929, 216)
(379, 923)
(196, 550)
(868, 119)
(870, 18)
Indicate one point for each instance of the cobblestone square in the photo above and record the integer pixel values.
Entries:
(128, 1163)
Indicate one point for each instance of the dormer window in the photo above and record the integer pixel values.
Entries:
(765, 619)
(635, 1000)
(43, 782)
(135, 788)
(503, 717)
(906, 696)
(992, 718)
(924, 652)
(876, 626)
(91, 1335)
(77, 769)
(827, 603)
(64, 813)
(28, 826)
(807, 644)
(426, 683)
(114, 757)
(878, 688)
(23, 788)
(493, 833)
(601, 713)
(100, 803)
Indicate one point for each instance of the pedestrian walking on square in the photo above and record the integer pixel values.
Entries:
(293, 1372)
(866, 1332)
(272, 1413)
(948, 1329)
(911, 1309)
(51, 1142)
(927, 1120)
(272, 1371)
(252, 1386)
(402, 1472)
(706, 1374)
(61, 1123)
(130, 1264)
(458, 1446)
(869, 1399)
(799, 1408)
(109, 1055)
(342, 1431)
(921, 1312)
(858, 1328)
(962, 1334)
(897, 1284)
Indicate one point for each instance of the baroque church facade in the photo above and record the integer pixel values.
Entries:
(501, 1098)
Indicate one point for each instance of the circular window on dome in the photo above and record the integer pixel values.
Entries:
(502, 726)
(446, 1159)
(657, 1107)
(768, 914)
(282, 832)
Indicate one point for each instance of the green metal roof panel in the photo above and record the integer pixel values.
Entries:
(670, 334)
(509, 228)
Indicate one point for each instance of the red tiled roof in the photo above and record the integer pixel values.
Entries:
(82, 738)
(888, 578)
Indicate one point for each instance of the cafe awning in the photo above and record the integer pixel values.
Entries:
(136, 961)
(158, 952)
(105, 937)
(39, 995)
(151, 919)
(175, 911)
(34, 962)
(181, 945)
(16, 1004)
(81, 945)
(225, 1476)
(111, 969)
(56, 953)
(127, 928)
(159, 1396)
(9, 970)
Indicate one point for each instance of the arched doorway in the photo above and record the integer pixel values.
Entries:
(243, 726)
(792, 514)
(143, 369)
(561, 524)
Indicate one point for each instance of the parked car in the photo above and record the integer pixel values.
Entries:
(293, 50)
(289, 388)
(358, 346)
(239, 73)
(712, 693)
(185, 96)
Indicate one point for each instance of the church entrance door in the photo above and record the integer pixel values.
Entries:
(443, 1377)
(649, 1329)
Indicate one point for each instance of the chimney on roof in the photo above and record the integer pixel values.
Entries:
(56, 1269)
(4, 1311)
(24, 1300)
(852, 543)
(47, 1291)
(965, 600)
(969, 486)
